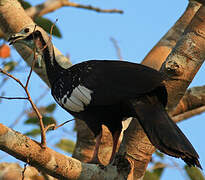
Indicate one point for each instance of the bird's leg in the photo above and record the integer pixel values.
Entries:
(95, 159)
(115, 138)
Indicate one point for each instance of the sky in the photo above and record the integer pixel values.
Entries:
(86, 35)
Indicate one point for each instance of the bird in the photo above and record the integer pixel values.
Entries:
(102, 92)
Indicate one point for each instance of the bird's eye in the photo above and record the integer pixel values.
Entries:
(26, 30)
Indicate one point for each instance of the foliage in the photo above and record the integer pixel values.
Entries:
(66, 145)
(9, 66)
(47, 119)
(156, 173)
(25, 4)
(194, 173)
(47, 24)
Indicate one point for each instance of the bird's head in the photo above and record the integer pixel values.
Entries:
(32, 36)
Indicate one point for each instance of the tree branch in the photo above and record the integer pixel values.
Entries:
(191, 104)
(161, 50)
(52, 5)
(139, 150)
(141, 155)
(53, 163)
(188, 114)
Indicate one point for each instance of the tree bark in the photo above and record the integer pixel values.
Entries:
(53, 163)
(181, 66)
(161, 50)
(188, 54)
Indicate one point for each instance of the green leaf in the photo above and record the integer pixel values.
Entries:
(156, 173)
(50, 108)
(194, 173)
(47, 24)
(10, 66)
(33, 120)
(24, 4)
(46, 120)
(150, 176)
(158, 169)
(66, 145)
(33, 132)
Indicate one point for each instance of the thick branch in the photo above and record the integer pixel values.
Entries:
(161, 50)
(51, 162)
(186, 58)
(144, 152)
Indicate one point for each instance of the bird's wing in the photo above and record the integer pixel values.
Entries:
(115, 81)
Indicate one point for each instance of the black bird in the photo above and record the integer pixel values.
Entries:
(101, 92)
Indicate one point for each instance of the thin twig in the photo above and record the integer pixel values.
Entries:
(11, 98)
(50, 6)
(24, 111)
(50, 36)
(117, 48)
(14, 78)
(43, 136)
(89, 7)
(31, 70)
(54, 127)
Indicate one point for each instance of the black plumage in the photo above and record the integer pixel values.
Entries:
(102, 92)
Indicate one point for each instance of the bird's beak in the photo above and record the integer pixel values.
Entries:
(14, 38)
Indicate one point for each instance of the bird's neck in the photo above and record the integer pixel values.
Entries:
(53, 69)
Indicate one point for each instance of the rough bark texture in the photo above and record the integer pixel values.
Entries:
(185, 59)
(155, 58)
(53, 163)
(181, 65)
(161, 50)
(193, 98)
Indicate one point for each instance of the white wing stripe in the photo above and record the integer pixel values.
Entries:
(79, 94)
(72, 106)
(79, 97)
(76, 101)
(86, 92)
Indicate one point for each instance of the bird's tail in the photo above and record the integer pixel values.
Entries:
(164, 134)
